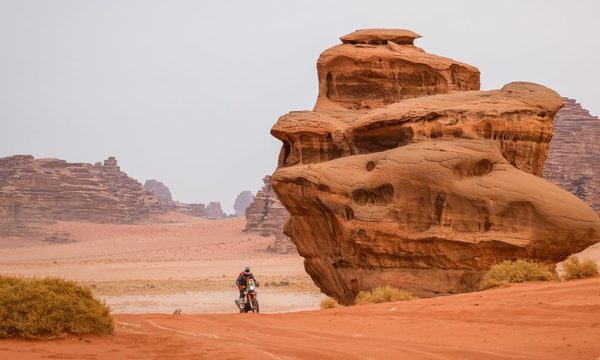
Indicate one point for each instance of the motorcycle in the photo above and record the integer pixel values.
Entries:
(249, 301)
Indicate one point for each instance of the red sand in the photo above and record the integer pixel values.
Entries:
(533, 321)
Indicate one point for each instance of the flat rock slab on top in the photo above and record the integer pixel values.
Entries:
(380, 36)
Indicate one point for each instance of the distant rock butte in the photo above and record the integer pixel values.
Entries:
(266, 216)
(163, 194)
(385, 185)
(214, 211)
(37, 191)
(161, 191)
(574, 159)
(242, 201)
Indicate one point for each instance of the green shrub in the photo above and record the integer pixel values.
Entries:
(50, 308)
(575, 269)
(518, 271)
(385, 293)
(329, 303)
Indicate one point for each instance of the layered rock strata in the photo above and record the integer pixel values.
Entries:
(242, 201)
(574, 159)
(36, 191)
(387, 186)
(266, 216)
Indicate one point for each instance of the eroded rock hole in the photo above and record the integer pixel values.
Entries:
(487, 225)
(349, 213)
(302, 181)
(482, 167)
(324, 188)
(383, 138)
(379, 196)
(287, 147)
(370, 166)
(439, 207)
(329, 81)
(487, 130)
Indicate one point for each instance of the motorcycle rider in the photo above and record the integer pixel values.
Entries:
(242, 281)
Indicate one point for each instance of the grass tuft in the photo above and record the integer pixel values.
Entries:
(385, 293)
(50, 308)
(329, 303)
(576, 269)
(518, 271)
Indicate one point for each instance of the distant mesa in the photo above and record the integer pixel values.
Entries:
(574, 159)
(266, 216)
(39, 191)
(405, 174)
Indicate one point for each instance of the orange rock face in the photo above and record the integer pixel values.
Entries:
(421, 192)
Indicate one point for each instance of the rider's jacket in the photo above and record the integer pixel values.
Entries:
(242, 279)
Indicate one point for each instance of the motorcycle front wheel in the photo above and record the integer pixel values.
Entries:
(255, 306)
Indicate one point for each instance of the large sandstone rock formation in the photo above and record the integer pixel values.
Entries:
(266, 216)
(242, 201)
(574, 159)
(37, 191)
(387, 185)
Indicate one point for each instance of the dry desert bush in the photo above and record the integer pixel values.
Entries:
(576, 269)
(385, 293)
(328, 303)
(50, 308)
(518, 271)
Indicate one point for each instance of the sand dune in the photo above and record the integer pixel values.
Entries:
(533, 321)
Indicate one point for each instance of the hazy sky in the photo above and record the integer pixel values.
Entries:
(186, 91)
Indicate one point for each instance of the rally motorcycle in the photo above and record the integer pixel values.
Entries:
(249, 301)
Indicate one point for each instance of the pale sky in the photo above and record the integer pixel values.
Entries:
(186, 92)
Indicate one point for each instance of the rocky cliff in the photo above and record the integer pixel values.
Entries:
(36, 191)
(387, 186)
(574, 159)
(266, 216)
(242, 201)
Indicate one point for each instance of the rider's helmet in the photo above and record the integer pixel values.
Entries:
(246, 269)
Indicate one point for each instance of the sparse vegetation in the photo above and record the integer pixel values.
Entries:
(385, 293)
(518, 271)
(329, 303)
(277, 283)
(576, 269)
(50, 308)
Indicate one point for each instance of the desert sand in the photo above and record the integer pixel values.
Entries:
(172, 261)
(531, 321)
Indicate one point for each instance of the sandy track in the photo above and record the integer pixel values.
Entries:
(534, 321)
